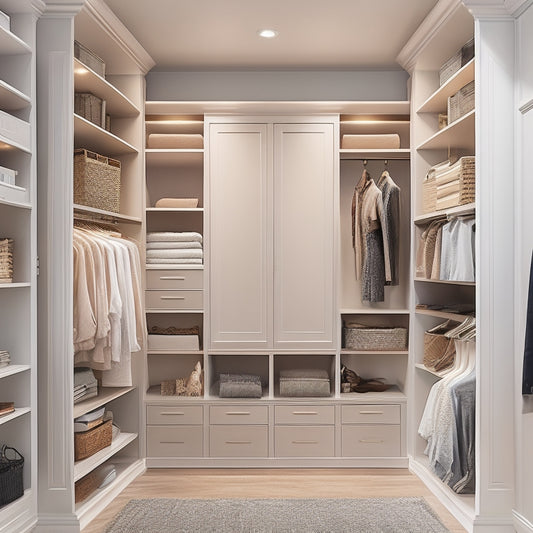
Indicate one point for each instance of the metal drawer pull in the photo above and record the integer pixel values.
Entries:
(370, 412)
(371, 441)
(305, 442)
(304, 413)
(238, 412)
(172, 442)
(165, 413)
(172, 297)
(238, 442)
(173, 278)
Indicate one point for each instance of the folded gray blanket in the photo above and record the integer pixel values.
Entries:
(240, 386)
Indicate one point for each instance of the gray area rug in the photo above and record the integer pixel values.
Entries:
(362, 515)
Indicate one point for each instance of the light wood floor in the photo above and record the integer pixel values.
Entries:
(273, 483)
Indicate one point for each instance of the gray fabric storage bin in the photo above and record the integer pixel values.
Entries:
(304, 382)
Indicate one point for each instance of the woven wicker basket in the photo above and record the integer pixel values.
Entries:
(358, 337)
(11, 482)
(439, 351)
(96, 181)
(6, 260)
(89, 58)
(90, 107)
(84, 487)
(92, 441)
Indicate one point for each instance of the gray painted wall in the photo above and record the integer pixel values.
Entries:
(278, 85)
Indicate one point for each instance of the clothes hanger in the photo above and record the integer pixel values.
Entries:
(365, 176)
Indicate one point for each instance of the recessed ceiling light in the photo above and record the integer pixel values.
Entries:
(268, 34)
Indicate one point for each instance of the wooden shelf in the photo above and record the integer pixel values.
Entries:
(10, 370)
(438, 101)
(448, 282)
(88, 81)
(116, 216)
(83, 467)
(442, 314)
(399, 153)
(105, 394)
(459, 134)
(374, 352)
(19, 411)
(90, 136)
(465, 209)
(12, 99)
(10, 44)
(174, 209)
(164, 158)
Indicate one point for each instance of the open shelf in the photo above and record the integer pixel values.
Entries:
(83, 467)
(12, 99)
(457, 135)
(174, 209)
(448, 282)
(116, 216)
(373, 311)
(105, 395)
(19, 411)
(88, 81)
(420, 366)
(442, 314)
(465, 209)
(10, 370)
(14, 285)
(397, 153)
(158, 157)
(92, 137)
(174, 353)
(393, 394)
(374, 352)
(438, 101)
(174, 267)
(10, 44)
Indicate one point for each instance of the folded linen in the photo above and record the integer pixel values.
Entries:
(177, 203)
(172, 245)
(239, 378)
(176, 253)
(163, 261)
(158, 236)
(372, 141)
(240, 389)
(304, 382)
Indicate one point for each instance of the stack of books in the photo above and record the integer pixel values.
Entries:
(5, 358)
(6, 408)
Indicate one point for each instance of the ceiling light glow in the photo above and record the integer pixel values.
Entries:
(268, 34)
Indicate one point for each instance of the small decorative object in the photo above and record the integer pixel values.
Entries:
(6, 260)
(181, 387)
(359, 384)
(11, 467)
(6, 408)
(194, 383)
(168, 388)
(443, 121)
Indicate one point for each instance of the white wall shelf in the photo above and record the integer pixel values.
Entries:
(398, 153)
(88, 135)
(465, 209)
(14, 285)
(373, 311)
(105, 395)
(119, 217)
(170, 353)
(424, 368)
(174, 209)
(83, 467)
(10, 44)
(11, 99)
(174, 267)
(447, 282)
(11, 369)
(18, 412)
(442, 314)
(456, 135)
(374, 352)
(156, 157)
(88, 81)
(22, 205)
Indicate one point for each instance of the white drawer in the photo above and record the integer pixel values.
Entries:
(370, 414)
(174, 279)
(238, 441)
(304, 414)
(371, 441)
(174, 441)
(238, 414)
(174, 415)
(174, 300)
(305, 441)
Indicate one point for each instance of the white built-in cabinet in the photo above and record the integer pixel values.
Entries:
(271, 247)
(18, 221)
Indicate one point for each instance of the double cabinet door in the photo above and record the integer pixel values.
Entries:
(271, 235)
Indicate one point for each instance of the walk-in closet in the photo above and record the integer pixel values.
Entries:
(263, 268)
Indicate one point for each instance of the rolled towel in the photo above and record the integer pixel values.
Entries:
(175, 254)
(163, 236)
(171, 245)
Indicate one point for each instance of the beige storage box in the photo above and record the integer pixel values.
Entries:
(175, 140)
(89, 58)
(386, 141)
(173, 342)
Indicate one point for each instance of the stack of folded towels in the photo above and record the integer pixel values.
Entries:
(85, 384)
(5, 358)
(178, 248)
(240, 386)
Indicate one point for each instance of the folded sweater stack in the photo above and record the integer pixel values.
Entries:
(240, 386)
(174, 248)
(85, 384)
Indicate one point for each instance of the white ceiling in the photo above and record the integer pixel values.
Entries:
(313, 34)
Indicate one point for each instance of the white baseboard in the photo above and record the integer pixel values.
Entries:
(51, 523)
(521, 523)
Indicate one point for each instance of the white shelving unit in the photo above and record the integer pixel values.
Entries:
(18, 220)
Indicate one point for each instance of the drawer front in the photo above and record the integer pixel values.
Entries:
(305, 441)
(238, 441)
(371, 441)
(174, 415)
(174, 279)
(174, 441)
(174, 300)
(370, 414)
(238, 414)
(305, 414)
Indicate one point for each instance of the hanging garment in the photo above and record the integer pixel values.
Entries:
(372, 259)
(390, 193)
(527, 370)
(465, 265)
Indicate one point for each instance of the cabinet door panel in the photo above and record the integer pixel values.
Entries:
(239, 239)
(304, 181)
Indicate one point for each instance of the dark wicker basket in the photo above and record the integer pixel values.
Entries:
(11, 483)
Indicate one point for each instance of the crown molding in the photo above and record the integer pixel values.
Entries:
(496, 8)
(66, 8)
(114, 27)
(431, 24)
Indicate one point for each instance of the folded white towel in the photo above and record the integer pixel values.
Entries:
(164, 236)
(160, 260)
(172, 245)
(175, 254)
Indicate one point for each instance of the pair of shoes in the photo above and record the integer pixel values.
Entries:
(359, 384)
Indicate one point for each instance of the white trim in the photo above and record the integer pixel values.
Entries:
(57, 523)
(521, 523)
(526, 107)
(496, 8)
